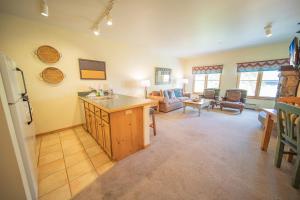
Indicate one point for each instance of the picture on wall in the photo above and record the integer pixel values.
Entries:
(162, 76)
(92, 69)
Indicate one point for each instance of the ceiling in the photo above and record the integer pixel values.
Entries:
(179, 28)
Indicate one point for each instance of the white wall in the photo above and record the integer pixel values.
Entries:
(57, 107)
(229, 60)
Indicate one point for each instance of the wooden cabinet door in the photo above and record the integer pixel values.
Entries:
(93, 125)
(127, 132)
(88, 122)
(100, 138)
(106, 136)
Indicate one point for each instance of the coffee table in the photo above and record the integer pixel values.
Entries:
(197, 104)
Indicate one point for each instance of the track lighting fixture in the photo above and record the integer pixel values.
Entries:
(44, 8)
(105, 14)
(268, 30)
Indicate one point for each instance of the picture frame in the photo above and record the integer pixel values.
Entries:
(92, 69)
(162, 76)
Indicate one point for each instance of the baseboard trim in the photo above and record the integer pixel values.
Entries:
(59, 130)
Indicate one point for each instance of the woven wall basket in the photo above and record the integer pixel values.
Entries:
(48, 54)
(52, 75)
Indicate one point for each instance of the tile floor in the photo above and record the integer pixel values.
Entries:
(68, 161)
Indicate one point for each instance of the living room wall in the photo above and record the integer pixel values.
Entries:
(229, 60)
(56, 106)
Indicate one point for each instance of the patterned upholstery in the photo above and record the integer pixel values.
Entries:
(234, 98)
(211, 93)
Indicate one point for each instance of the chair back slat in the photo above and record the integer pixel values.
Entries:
(288, 122)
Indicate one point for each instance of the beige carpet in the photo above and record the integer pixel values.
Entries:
(214, 156)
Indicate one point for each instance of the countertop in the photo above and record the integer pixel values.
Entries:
(118, 102)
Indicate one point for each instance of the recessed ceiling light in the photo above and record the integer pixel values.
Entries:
(44, 8)
(268, 30)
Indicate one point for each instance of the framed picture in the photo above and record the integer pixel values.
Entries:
(162, 76)
(92, 69)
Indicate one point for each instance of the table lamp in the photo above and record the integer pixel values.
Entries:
(146, 83)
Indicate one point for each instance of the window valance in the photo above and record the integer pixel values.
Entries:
(267, 65)
(214, 69)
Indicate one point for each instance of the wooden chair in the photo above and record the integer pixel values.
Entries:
(153, 124)
(290, 100)
(288, 126)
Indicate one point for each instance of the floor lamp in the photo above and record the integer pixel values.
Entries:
(185, 81)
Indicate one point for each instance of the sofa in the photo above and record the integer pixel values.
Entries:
(170, 99)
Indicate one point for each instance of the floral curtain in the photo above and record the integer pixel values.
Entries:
(214, 69)
(267, 65)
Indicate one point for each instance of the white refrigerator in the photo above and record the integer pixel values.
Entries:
(13, 88)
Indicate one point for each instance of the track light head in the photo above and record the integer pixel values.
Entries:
(44, 8)
(268, 30)
(109, 20)
(96, 29)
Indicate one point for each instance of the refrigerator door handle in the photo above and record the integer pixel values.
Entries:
(23, 78)
(25, 98)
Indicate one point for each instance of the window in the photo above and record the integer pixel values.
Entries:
(213, 80)
(202, 81)
(199, 83)
(269, 82)
(259, 84)
(248, 81)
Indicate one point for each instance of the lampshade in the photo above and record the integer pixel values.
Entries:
(185, 81)
(146, 83)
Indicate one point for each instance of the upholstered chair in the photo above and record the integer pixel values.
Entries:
(212, 94)
(234, 98)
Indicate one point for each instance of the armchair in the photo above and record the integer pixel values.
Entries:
(213, 94)
(234, 98)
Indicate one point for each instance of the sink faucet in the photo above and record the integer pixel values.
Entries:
(92, 90)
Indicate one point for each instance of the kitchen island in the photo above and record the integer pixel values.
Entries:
(119, 124)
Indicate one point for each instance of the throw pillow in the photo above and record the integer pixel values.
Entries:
(165, 93)
(171, 94)
(234, 96)
(178, 92)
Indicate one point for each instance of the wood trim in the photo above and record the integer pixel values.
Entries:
(261, 98)
(258, 84)
(238, 79)
(59, 130)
